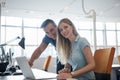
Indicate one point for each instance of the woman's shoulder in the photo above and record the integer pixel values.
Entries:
(82, 39)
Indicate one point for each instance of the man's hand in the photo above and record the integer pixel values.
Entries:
(30, 63)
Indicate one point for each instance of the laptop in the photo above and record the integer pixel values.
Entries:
(32, 73)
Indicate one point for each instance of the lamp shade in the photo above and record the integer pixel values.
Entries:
(22, 43)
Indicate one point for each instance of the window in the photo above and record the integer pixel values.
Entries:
(107, 34)
(33, 36)
(111, 38)
(16, 21)
(118, 33)
(2, 20)
(99, 35)
(9, 33)
(28, 22)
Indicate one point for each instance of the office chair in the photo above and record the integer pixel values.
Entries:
(103, 60)
(118, 57)
(47, 63)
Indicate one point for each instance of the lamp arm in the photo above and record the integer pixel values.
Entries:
(93, 14)
(10, 41)
(85, 12)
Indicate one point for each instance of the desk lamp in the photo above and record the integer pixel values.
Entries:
(22, 43)
(91, 14)
(4, 61)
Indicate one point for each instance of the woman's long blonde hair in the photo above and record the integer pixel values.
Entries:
(63, 44)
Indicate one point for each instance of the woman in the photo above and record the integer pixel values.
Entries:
(75, 51)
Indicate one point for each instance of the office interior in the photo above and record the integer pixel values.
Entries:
(96, 20)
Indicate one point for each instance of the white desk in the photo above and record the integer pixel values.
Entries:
(21, 77)
(115, 68)
(43, 74)
(16, 77)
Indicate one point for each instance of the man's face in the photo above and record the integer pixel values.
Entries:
(51, 31)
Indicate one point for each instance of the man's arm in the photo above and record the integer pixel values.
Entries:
(37, 53)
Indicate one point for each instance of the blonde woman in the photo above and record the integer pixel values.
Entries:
(74, 50)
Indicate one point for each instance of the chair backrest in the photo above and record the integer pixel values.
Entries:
(103, 60)
(118, 57)
(47, 63)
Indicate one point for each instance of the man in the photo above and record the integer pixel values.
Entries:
(50, 29)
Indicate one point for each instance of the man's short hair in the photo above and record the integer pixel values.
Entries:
(46, 22)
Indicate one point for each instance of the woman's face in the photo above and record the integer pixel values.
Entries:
(66, 30)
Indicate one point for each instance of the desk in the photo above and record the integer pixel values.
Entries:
(116, 66)
(21, 77)
(115, 73)
(41, 73)
(16, 77)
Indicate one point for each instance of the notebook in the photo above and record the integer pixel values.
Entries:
(31, 73)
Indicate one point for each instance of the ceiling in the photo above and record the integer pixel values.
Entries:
(106, 10)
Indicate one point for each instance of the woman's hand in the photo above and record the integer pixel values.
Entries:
(64, 70)
(64, 76)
